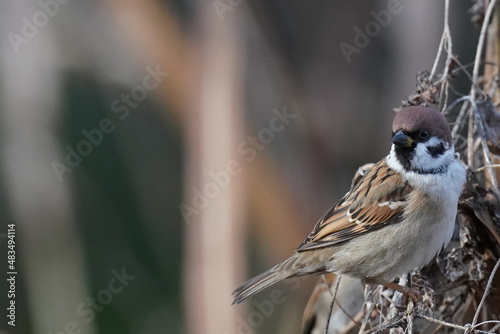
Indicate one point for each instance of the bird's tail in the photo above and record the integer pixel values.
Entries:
(262, 281)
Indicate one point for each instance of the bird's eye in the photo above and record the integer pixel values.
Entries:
(424, 134)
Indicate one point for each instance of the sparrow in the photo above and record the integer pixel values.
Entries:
(397, 218)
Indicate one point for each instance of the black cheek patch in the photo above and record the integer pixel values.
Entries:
(436, 150)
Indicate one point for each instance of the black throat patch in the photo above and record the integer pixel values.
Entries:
(405, 155)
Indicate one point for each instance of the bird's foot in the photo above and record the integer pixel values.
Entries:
(408, 293)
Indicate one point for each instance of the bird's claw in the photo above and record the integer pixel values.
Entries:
(409, 293)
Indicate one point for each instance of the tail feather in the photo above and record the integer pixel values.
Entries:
(262, 281)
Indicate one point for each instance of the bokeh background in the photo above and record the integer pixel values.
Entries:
(156, 154)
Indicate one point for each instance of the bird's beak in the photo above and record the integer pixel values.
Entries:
(400, 139)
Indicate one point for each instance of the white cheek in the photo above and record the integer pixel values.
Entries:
(423, 160)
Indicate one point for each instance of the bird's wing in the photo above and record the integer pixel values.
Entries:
(376, 201)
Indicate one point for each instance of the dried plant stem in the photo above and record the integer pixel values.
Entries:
(334, 296)
(497, 326)
(440, 322)
(474, 115)
(445, 43)
(486, 152)
(365, 320)
(460, 116)
(485, 167)
(356, 321)
(438, 56)
(489, 322)
(475, 75)
(390, 325)
(410, 317)
(480, 46)
(470, 139)
(486, 292)
(353, 319)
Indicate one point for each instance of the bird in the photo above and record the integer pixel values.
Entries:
(395, 219)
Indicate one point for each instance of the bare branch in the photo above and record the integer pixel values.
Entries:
(445, 43)
(334, 296)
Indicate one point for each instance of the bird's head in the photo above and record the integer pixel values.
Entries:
(421, 140)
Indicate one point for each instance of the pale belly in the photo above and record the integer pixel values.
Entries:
(382, 255)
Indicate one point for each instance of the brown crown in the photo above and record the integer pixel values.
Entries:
(414, 119)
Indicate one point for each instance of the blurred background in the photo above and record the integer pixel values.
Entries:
(156, 154)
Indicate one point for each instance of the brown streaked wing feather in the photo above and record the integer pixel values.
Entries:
(377, 200)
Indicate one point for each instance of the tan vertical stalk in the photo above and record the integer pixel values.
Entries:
(214, 243)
